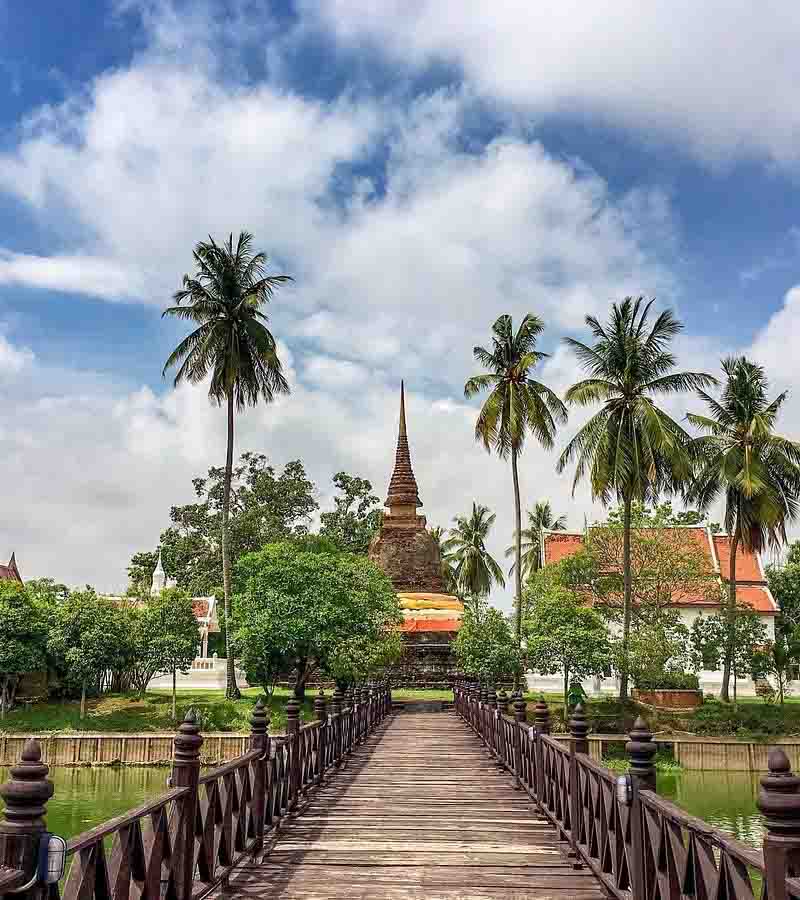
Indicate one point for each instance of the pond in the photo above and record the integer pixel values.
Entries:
(86, 797)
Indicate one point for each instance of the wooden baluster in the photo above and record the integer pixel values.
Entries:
(186, 773)
(640, 749)
(321, 712)
(520, 715)
(25, 796)
(502, 708)
(259, 740)
(491, 721)
(541, 719)
(779, 803)
(295, 760)
(363, 712)
(336, 736)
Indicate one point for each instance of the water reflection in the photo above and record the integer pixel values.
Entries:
(725, 800)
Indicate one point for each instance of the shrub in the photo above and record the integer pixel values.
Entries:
(669, 680)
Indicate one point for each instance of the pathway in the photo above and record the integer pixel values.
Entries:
(418, 813)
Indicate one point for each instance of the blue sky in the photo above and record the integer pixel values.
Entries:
(419, 168)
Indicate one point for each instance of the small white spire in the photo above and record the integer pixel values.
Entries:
(159, 577)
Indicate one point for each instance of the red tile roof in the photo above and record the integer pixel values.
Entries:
(750, 578)
(430, 625)
(10, 572)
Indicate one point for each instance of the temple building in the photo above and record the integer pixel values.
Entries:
(409, 555)
(10, 572)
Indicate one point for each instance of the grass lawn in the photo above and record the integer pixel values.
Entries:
(133, 714)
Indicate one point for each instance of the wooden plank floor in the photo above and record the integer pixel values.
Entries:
(418, 812)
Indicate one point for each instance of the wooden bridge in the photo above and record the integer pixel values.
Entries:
(474, 803)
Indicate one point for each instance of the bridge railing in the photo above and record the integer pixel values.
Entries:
(184, 842)
(638, 844)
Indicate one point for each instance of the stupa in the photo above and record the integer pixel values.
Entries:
(408, 553)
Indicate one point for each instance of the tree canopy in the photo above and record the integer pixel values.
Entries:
(485, 647)
(356, 517)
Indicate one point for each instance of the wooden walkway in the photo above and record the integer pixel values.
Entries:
(419, 812)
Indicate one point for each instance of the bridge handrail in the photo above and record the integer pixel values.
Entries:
(619, 827)
(188, 839)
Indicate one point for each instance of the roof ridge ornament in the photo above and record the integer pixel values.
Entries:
(403, 496)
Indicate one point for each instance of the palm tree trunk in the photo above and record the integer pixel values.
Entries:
(518, 567)
(730, 638)
(232, 691)
(83, 699)
(627, 599)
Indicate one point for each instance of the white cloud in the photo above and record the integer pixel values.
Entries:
(13, 359)
(720, 76)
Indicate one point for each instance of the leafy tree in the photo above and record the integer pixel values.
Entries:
(23, 640)
(165, 638)
(541, 517)
(710, 636)
(659, 651)
(662, 515)
(358, 658)
(631, 450)
(295, 608)
(357, 515)
(475, 570)
(758, 471)
(485, 647)
(776, 659)
(233, 345)
(517, 406)
(784, 583)
(91, 638)
(563, 634)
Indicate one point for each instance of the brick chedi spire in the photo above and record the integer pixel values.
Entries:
(403, 498)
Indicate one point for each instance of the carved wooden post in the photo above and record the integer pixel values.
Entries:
(541, 719)
(640, 749)
(502, 702)
(520, 715)
(186, 773)
(336, 710)
(293, 737)
(321, 712)
(779, 803)
(25, 796)
(578, 743)
(259, 740)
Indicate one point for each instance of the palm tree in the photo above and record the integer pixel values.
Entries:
(447, 568)
(541, 518)
(475, 570)
(631, 449)
(758, 471)
(516, 406)
(233, 344)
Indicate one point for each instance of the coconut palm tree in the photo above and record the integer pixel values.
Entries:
(233, 345)
(539, 519)
(448, 569)
(631, 450)
(517, 406)
(741, 457)
(475, 570)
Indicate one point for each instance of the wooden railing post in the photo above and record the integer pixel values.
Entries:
(259, 740)
(321, 713)
(25, 796)
(640, 749)
(293, 737)
(520, 716)
(541, 720)
(779, 803)
(502, 702)
(578, 743)
(186, 773)
(491, 721)
(336, 711)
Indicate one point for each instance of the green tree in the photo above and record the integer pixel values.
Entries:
(539, 518)
(563, 634)
(23, 640)
(357, 515)
(776, 660)
(517, 406)
(358, 658)
(166, 638)
(710, 641)
(630, 449)
(485, 647)
(233, 345)
(439, 536)
(91, 638)
(266, 505)
(298, 607)
(741, 457)
(475, 570)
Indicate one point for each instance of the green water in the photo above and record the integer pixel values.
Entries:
(725, 800)
(84, 798)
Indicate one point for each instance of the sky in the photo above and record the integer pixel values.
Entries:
(419, 167)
